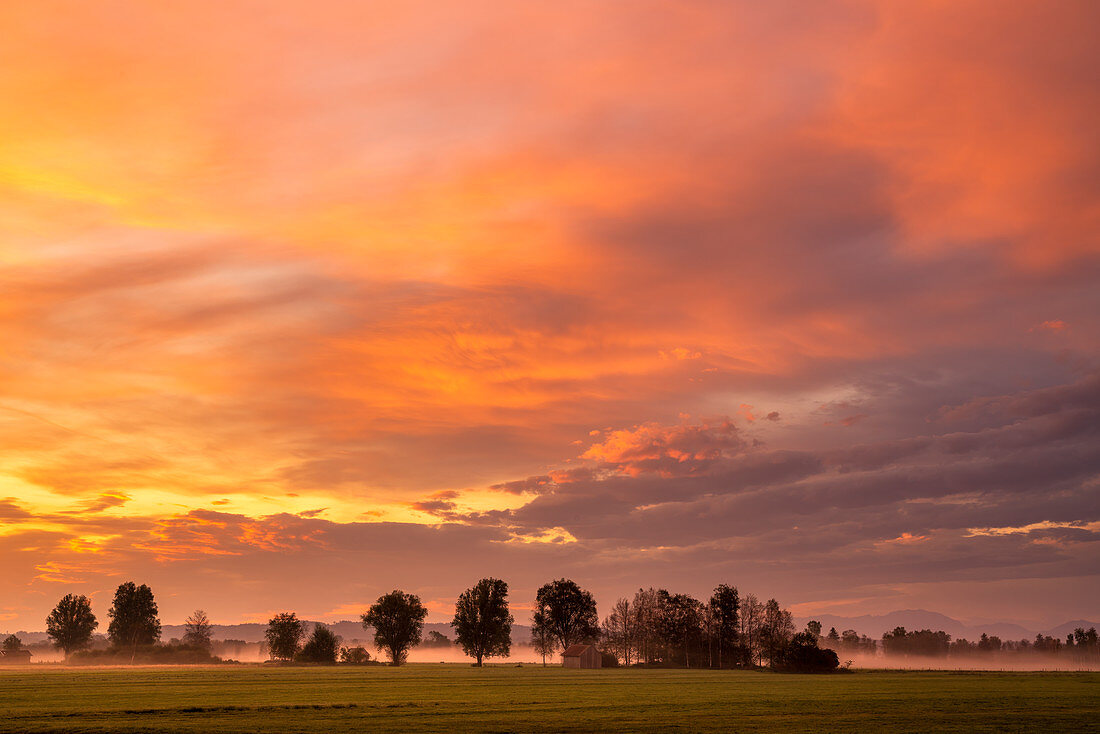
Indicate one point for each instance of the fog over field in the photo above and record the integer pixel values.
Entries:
(995, 661)
(243, 643)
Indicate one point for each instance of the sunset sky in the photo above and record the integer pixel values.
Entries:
(304, 302)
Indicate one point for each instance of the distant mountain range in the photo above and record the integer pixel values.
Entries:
(872, 625)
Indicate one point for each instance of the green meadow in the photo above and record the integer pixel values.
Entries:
(444, 698)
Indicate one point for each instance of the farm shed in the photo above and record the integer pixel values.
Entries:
(581, 656)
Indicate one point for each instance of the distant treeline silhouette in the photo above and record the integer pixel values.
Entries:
(654, 628)
(1081, 644)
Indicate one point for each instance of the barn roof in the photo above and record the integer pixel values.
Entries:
(575, 651)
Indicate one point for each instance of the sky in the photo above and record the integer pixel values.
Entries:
(304, 302)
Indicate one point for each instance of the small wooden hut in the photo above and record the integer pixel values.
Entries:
(581, 656)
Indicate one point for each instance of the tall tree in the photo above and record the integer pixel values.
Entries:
(619, 630)
(776, 632)
(542, 642)
(482, 623)
(133, 617)
(723, 605)
(681, 624)
(647, 617)
(284, 635)
(398, 620)
(197, 630)
(566, 613)
(12, 643)
(71, 623)
(322, 646)
(752, 620)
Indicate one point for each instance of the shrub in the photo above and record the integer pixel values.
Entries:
(802, 655)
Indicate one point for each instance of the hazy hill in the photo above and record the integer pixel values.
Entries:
(874, 625)
(1067, 628)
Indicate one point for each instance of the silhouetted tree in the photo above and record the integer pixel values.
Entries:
(566, 613)
(321, 647)
(618, 632)
(436, 639)
(354, 655)
(833, 639)
(710, 632)
(852, 641)
(814, 628)
(989, 644)
(198, 630)
(133, 617)
(647, 620)
(1047, 644)
(752, 620)
(397, 619)
(723, 605)
(542, 643)
(802, 655)
(482, 623)
(895, 642)
(12, 643)
(71, 623)
(925, 642)
(961, 646)
(681, 624)
(1086, 642)
(284, 635)
(777, 630)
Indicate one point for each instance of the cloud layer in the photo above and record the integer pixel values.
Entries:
(803, 300)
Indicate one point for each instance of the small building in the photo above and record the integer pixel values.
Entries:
(15, 657)
(581, 656)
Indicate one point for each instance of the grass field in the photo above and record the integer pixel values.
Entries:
(508, 699)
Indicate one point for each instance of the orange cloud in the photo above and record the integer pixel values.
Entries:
(384, 259)
(669, 450)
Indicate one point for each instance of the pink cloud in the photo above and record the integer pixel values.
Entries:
(667, 450)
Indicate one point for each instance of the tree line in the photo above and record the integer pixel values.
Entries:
(1080, 644)
(655, 627)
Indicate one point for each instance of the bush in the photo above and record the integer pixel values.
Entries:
(810, 660)
(802, 655)
(609, 660)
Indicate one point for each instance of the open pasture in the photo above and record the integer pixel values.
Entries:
(510, 699)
